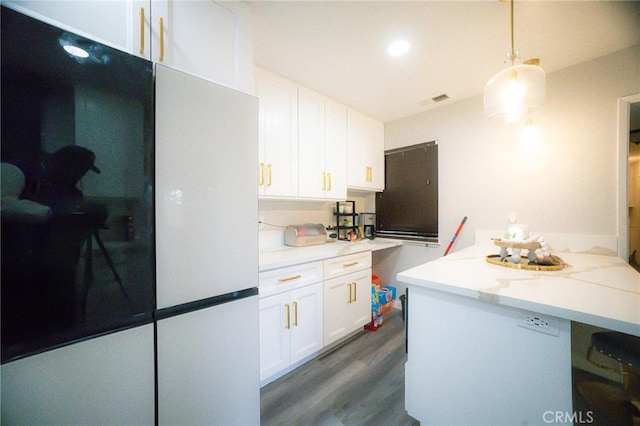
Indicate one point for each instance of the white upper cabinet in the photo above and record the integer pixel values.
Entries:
(312, 147)
(278, 135)
(204, 38)
(198, 37)
(365, 141)
(105, 21)
(322, 144)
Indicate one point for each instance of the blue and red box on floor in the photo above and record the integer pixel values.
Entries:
(382, 300)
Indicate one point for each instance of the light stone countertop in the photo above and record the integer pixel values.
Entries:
(283, 256)
(595, 289)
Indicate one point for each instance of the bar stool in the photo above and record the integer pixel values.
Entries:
(620, 354)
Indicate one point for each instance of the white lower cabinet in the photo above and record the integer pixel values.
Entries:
(290, 328)
(347, 304)
(305, 307)
(347, 295)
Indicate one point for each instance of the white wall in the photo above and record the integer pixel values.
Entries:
(566, 182)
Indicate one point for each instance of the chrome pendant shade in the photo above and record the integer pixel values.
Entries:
(516, 93)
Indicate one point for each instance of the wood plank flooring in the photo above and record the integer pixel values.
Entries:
(361, 383)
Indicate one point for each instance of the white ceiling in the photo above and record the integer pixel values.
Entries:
(338, 48)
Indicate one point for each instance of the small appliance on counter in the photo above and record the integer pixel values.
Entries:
(307, 234)
(368, 223)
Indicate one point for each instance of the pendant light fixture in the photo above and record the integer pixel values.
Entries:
(517, 92)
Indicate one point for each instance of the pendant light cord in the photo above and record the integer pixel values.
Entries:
(512, 55)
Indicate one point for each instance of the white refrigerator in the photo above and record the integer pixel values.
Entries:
(207, 331)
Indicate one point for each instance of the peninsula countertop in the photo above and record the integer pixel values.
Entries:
(286, 256)
(594, 289)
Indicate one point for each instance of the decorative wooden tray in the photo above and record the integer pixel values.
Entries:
(524, 263)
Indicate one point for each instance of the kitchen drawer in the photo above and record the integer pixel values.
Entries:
(289, 278)
(346, 264)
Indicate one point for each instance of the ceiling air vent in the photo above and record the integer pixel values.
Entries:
(440, 98)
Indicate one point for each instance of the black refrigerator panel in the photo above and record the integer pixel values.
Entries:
(77, 188)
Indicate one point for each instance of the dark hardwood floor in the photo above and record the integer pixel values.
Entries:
(360, 383)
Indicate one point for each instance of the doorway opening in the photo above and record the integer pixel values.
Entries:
(629, 179)
(633, 185)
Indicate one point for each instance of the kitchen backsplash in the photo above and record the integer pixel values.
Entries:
(276, 215)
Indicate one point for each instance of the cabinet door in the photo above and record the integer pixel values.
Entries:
(336, 315)
(336, 149)
(312, 176)
(365, 142)
(306, 321)
(274, 336)
(322, 147)
(104, 21)
(198, 37)
(360, 306)
(347, 304)
(278, 135)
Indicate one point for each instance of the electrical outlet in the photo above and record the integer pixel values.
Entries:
(538, 323)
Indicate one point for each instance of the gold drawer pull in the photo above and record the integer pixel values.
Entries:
(161, 24)
(291, 278)
(354, 263)
(295, 313)
(355, 292)
(349, 285)
(287, 325)
(261, 173)
(142, 30)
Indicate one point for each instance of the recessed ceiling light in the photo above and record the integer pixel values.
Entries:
(398, 48)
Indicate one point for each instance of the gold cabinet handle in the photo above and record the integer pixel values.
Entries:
(270, 175)
(346, 265)
(161, 56)
(349, 285)
(261, 173)
(355, 291)
(295, 313)
(142, 31)
(366, 174)
(286, 308)
(329, 186)
(291, 278)
(324, 181)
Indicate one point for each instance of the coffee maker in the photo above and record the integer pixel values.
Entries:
(368, 223)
